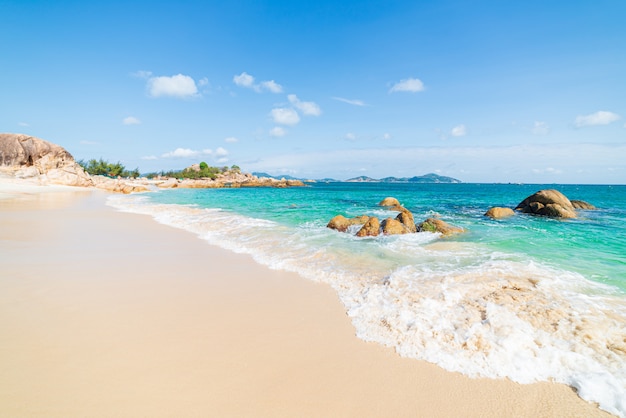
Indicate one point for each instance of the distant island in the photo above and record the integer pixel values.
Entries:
(426, 178)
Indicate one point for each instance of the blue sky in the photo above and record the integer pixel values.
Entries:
(484, 91)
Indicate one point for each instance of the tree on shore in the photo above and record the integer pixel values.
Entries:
(104, 168)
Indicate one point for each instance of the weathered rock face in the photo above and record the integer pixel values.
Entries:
(406, 218)
(581, 204)
(499, 213)
(118, 185)
(371, 228)
(437, 225)
(550, 203)
(341, 223)
(392, 226)
(25, 156)
(389, 201)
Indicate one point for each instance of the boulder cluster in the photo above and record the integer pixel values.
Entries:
(403, 223)
(550, 202)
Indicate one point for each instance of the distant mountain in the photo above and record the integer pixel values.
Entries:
(427, 178)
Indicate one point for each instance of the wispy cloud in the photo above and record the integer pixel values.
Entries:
(131, 120)
(24, 124)
(285, 116)
(459, 130)
(231, 140)
(307, 108)
(246, 80)
(354, 102)
(186, 153)
(540, 128)
(277, 132)
(150, 157)
(601, 117)
(411, 85)
(179, 86)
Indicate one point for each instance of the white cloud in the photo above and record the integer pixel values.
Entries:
(350, 136)
(142, 74)
(24, 124)
(285, 116)
(179, 86)
(599, 118)
(277, 132)
(131, 120)
(386, 136)
(412, 85)
(150, 157)
(221, 152)
(540, 128)
(307, 108)
(459, 130)
(231, 140)
(246, 80)
(203, 82)
(222, 160)
(186, 153)
(354, 102)
(272, 86)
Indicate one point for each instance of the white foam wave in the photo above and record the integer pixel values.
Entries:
(455, 304)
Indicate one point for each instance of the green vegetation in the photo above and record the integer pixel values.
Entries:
(104, 168)
(201, 171)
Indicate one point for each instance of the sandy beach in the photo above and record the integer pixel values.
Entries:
(110, 314)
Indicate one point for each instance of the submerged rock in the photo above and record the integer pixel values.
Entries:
(437, 225)
(550, 203)
(499, 213)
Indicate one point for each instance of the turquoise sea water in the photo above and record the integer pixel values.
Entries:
(527, 298)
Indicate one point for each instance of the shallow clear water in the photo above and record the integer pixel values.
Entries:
(527, 298)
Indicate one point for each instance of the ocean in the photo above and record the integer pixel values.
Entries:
(525, 298)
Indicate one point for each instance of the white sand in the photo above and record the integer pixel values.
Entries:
(111, 314)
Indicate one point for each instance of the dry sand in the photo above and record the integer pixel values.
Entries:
(110, 314)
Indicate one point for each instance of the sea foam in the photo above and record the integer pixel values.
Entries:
(456, 304)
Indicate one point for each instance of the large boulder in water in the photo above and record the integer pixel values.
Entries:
(392, 226)
(499, 213)
(581, 204)
(389, 201)
(406, 218)
(341, 223)
(437, 225)
(24, 156)
(371, 228)
(550, 203)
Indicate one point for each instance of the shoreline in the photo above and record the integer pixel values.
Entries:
(106, 313)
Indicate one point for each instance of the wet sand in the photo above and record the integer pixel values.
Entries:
(110, 314)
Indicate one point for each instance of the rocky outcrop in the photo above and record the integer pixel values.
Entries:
(392, 226)
(119, 185)
(548, 202)
(389, 201)
(437, 225)
(341, 223)
(499, 213)
(406, 218)
(371, 228)
(581, 204)
(27, 157)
